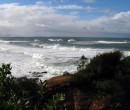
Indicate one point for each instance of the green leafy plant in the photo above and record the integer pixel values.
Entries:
(102, 66)
(81, 63)
(23, 93)
(103, 86)
(56, 102)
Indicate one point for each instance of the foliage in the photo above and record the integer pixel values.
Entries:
(104, 86)
(55, 102)
(23, 93)
(107, 73)
(81, 63)
(77, 78)
(104, 71)
(105, 65)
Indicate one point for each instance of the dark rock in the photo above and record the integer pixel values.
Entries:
(37, 74)
(44, 72)
(66, 73)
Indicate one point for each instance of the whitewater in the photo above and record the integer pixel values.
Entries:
(44, 57)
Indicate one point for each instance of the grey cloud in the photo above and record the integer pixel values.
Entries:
(42, 20)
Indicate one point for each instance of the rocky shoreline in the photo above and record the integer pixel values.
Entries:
(101, 84)
(78, 99)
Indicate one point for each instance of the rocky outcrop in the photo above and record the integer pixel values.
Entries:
(78, 99)
(58, 81)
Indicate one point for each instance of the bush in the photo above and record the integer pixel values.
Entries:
(103, 66)
(23, 93)
(106, 86)
(125, 66)
(123, 75)
(81, 76)
(82, 63)
(107, 73)
(107, 66)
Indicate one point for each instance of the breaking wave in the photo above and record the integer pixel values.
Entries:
(36, 40)
(55, 40)
(71, 40)
(112, 42)
(3, 41)
(52, 55)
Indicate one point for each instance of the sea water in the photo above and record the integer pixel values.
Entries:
(53, 55)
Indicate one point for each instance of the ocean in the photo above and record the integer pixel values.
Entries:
(45, 57)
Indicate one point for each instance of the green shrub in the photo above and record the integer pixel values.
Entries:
(101, 71)
(82, 63)
(103, 66)
(81, 75)
(56, 102)
(104, 86)
(125, 66)
(23, 93)
(123, 75)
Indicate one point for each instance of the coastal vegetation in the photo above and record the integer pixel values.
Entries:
(106, 74)
(25, 94)
(101, 83)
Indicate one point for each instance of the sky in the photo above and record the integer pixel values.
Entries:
(67, 18)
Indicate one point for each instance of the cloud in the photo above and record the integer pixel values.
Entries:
(75, 7)
(90, 9)
(108, 12)
(5, 23)
(44, 20)
(122, 15)
(89, 1)
(118, 23)
(74, 12)
(39, 3)
(56, 1)
(69, 7)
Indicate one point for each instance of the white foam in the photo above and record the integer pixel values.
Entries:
(58, 47)
(18, 41)
(55, 59)
(83, 42)
(112, 42)
(36, 40)
(37, 55)
(53, 40)
(98, 42)
(71, 40)
(2, 41)
(3, 49)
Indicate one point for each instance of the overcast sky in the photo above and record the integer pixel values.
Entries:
(74, 18)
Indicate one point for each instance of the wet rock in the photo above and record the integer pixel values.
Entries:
(44, 72)
(38, 74)
(66, 73)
